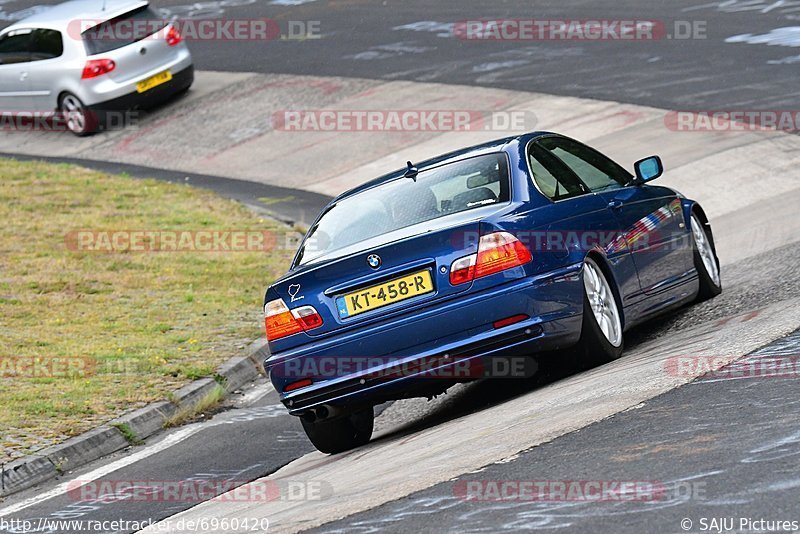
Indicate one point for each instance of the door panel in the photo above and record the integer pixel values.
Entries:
(655, 231)
(590, 225)
(14, 88)
(14, 82)
(40, 80)
(47, 46)
(581, 222)
(649, 218)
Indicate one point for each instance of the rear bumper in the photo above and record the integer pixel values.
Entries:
(180, 81)
(451, 342)
(99, 91)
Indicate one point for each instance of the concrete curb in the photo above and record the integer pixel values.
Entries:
(129, 429)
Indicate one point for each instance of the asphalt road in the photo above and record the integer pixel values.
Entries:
(413, 40)
(680, 443)
(210, 452)
(743, 292)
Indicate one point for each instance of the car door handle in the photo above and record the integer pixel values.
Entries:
(23, 76)
(615, 204)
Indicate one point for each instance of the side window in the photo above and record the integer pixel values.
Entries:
(552, 177)
(15, 47)
(46, 44)
(594, 169)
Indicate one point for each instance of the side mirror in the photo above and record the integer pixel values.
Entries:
(648, 169)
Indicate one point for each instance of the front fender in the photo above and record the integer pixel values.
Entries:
(690, 207)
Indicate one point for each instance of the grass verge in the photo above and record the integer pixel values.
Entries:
(87, 335)
(210, 401)
(127, 433)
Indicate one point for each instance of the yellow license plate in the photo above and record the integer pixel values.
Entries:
(384, 294)
(153, 81)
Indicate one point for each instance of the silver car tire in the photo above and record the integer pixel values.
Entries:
(79, 119)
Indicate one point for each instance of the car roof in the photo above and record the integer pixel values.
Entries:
(61, 15)
(489, 147)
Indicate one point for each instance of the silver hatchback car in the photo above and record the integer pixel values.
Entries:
(88, 58)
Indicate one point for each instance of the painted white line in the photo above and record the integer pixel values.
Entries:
(166, 443)
(251, 397)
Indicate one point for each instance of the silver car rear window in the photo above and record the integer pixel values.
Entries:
(437, 192)
(123, 30)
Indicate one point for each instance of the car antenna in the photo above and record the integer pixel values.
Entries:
(412, 171)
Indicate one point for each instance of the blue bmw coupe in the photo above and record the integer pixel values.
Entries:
(424, 277)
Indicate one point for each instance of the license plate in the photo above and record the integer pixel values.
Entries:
(384, 294)
(153, 81)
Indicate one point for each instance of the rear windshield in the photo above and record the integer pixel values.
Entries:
(438, 192)
(122, 31)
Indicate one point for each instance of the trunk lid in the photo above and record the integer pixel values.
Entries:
(387, 249)
(409, 252)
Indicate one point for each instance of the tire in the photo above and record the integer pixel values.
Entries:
(341, 434)
(598, 344)
(705, 261)
(79, 119)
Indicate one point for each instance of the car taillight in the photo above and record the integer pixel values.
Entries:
(280, 322)
(463, 270)
(497, 252)
(500, 251)
(308, 317)
(173, 36)
(97, 67)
